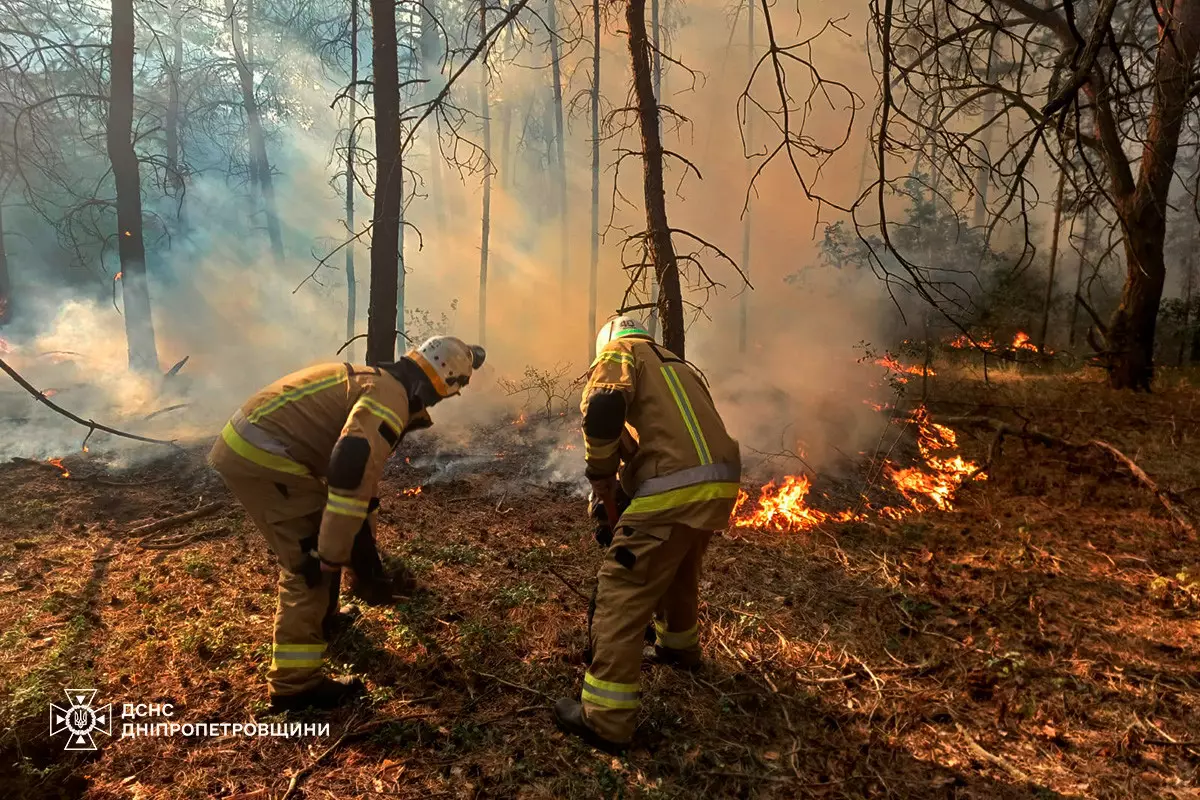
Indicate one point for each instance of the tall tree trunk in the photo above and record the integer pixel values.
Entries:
(1058, 200)
(385, 225)
(431, 67)
(174, 71)
(351, 280)
(254, 129)
(1130, 339)
(594, 264)
(658, 230)
(657, 66)
(1189, 276)
(487, 177)
(983, 175)
(744, 311)
(1083, 249)
(5, 283)
(560, 144)
(139, 325)
(507, 161)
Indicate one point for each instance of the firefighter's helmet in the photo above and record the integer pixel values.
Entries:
(617, 327)
(447, 362)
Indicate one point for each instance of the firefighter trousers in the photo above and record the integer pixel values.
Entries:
(289, 516)
(648, 571)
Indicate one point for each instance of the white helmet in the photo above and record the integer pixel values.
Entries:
(447, 362)
(617, 327)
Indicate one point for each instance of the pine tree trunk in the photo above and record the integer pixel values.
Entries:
(385, 225)
(351, 280)
(1130, 340)
(1189, 276)
(431, 50)
(560, 146)
(1058, 199)
(983, 175)
(254, 129)
(6, 308)
(658, 230)
(1083, 249)
(171, 123)
(744, 311)
(139, 325)
(657, 61)
(487, 178)
(594, 264)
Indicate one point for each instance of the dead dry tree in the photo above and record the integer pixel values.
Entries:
(1172, 502)
(551, 386)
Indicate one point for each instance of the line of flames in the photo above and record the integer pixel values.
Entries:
(1020, 342)
(784, 506)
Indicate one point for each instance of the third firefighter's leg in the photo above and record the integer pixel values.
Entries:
(678, 640)
(637, 570)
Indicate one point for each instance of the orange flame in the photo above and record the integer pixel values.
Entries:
(413, 492)
(49, 392)
(59, 463)
(1021, 342)
(963, 342)
(930, 485)
(889, 362)
(519, 420)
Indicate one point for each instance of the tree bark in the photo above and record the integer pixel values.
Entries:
(1083, 249)
(5, 283)
(983, 174)
(1130, 340)
(658, 231)
(487, 178)
(385, 226)
(171, 123)
(351, 279)
(657, 67)
(744, 311)
(560, 148)
(139, 325)
(594, 264)
(1189, 277)
(261, 165)
(1058, 200)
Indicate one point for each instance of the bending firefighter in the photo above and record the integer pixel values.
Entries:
(304, 457)
(682, 480)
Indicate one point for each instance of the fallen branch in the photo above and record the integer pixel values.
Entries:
(514, 685)
(178, 541)
(1002, 429)
(90, 424)
(178, 519)
(995, 760)
(568, 584)
(347, 736)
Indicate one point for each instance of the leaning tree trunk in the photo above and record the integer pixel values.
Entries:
(486, 226)
(658, 232)
(258, 144)
(1058, 201)
(385, 226)
(171, 123)
(1130, 339)
(139, 325)
(593, 267)
(351, 280)
(560, 144)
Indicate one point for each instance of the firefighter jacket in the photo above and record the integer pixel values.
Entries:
(338, 423)
(684, 468)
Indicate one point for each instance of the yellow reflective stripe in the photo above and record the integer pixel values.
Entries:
(676, 640)
(609, 694)
(599, 450)
(682, 496)
(297, 656)
(346, 506)
(296, 393)
(615, 356)
(383, 412)
(259, 456)
(688, 414)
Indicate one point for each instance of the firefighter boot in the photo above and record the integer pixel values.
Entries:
(688, 660)
(568, 715)
(327, 694)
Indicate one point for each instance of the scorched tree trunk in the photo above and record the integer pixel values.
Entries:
(658, 231)
(139, 327)
(385, 230)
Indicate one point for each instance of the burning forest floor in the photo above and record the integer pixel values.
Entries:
(1039, 638)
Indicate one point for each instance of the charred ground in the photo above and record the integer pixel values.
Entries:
(1041, 639)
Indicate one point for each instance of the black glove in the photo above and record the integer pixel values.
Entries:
(371, 581)
(311, 570)
(596, 509)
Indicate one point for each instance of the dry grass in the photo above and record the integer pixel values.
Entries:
(1036, 642)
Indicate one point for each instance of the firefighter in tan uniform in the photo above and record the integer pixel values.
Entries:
(304, 457)
(682, 479)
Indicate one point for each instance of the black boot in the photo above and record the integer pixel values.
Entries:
(688, 660)
(327, 694)
(340, 621)
(568, 714)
